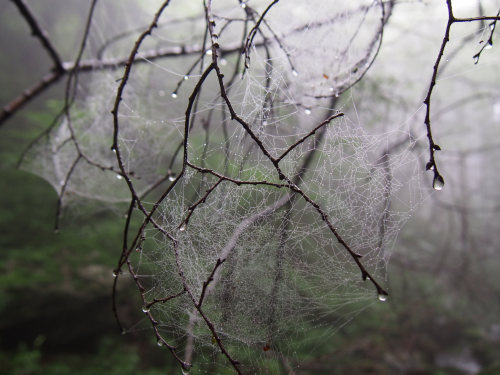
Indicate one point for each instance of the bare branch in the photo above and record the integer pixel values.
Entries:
(39, 33)
(312, 132)
(253, 32)
(438, 180)
(18, 103)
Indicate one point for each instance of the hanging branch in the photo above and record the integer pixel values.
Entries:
(438, 180)
(148, 215)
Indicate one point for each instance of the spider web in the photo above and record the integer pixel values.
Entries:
(253, 253)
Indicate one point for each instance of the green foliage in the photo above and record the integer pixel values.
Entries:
(111, 358)
(32, 253)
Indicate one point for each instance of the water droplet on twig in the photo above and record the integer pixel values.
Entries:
(438, 182)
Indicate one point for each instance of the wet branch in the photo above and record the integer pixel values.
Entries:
(438, 180)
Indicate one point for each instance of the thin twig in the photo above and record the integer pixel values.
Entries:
(312, 132)
(39, 33)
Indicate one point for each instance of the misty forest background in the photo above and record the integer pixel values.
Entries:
(443, 314)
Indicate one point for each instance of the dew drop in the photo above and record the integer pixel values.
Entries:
(174, 95)
(171, 177)
(438, 182)
(182, 228)
(489, 45)
(223, 62)
(119, 176)
(124, 332)
(295, 73)
(264, 122)
(159, 343)
(145, 309)
(382, 297)
(243, 5)
(307, 111)
(492, 26)
(209, 52)
(115, 274)
(476, 59)
(186, 77)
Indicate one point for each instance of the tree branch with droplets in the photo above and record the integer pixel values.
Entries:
(438, 180)
(290, 183)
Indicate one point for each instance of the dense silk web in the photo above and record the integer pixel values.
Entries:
(266, 213)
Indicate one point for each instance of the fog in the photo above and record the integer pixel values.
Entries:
(293, 296)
